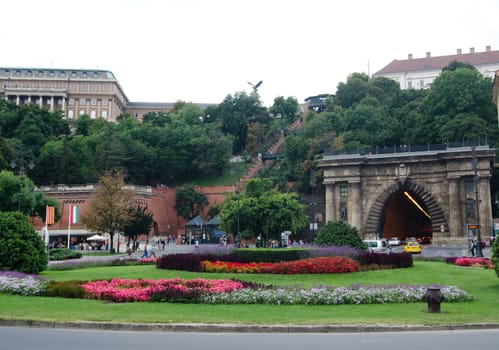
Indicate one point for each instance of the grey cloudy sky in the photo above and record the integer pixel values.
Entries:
(201, 51)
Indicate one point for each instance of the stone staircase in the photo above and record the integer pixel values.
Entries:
(276, 147)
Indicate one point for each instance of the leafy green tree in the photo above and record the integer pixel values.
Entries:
(495, 256)
(288, 108)
(454, 92)
(189, 202)
(263, 211)
(17, 192)
(235, 114)
(339, 233)
(109, 209)
(22, 249)
(141, 222)
(355, 89)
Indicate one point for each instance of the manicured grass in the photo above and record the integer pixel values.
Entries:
(483, 285)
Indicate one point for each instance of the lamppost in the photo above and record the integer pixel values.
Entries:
(21, 166)
(479, 252)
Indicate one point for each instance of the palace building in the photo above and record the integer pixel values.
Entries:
(96, 93)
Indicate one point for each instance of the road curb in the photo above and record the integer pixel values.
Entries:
(240, 328)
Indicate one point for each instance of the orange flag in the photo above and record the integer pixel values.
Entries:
(50, 215)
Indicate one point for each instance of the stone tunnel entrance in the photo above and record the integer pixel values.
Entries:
(406, 215)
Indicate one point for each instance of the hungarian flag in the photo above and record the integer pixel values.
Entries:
(73, 214)
(50, 218)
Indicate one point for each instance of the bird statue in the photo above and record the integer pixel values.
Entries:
(256, 86)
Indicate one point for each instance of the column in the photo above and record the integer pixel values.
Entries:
(485, 208)
(40, 101)
(330, 207)
(51, 103)
(455, 219)
(18, 100)
(355, 205)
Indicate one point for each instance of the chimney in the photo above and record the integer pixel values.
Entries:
(487, 48)
(409, 56)
(472, 50)
(428, 54)
(459, 51)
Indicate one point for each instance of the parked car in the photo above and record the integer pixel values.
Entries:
(394, 241)
(412, 247)
(377, 245)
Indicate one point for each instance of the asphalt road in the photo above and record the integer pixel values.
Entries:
(22, 338)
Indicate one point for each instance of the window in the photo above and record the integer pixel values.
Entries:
(468, 186)
(470, 208)
(421, 84)
(93, 114)
(82, 101)
(409, 84)
(93, 102)
(104, 114)
(72, 87)
(71, 102)
(94, 87)
(343, 191)
(82, 112)
(343, 211)
(105, 87)
(104, 102)
(70, 114)
(83, 87)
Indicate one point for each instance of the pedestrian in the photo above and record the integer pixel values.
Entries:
(152, 250)
(128, 251)
(472, 247)
(145, 254)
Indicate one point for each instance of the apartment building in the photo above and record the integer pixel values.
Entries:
(96, 93)
(419, 73)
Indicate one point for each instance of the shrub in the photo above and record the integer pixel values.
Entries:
(65, 289)
(185, 261)
(495, 256)
(339, 233)
(13, 282)
(64, 254)
(21, 248)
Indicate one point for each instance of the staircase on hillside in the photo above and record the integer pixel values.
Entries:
(258, 163)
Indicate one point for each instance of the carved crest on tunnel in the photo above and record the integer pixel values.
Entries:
(402, 173)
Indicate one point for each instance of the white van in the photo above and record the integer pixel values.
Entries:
(377, 245)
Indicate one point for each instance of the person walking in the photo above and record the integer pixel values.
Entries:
(472, 247)
(145, 254)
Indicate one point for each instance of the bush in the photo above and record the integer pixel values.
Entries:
(495, 256)
(65, 289)
(186, 262)
(21, 248)
(64, 254)
(339, 233)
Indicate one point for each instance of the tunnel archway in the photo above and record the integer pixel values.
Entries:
(395, 214)
(406, 215)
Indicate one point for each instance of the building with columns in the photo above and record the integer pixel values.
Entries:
(96, 93)
(437, 192)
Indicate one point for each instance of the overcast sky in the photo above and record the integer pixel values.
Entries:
(201, 51)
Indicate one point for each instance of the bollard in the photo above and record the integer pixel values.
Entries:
(433, 297)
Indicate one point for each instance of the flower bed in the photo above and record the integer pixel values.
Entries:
(478, 262)
(125, 290)
(13, 282)
(327, 264)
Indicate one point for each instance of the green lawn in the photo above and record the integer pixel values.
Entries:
(483, 285)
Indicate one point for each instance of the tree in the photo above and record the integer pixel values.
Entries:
(288, 108)
(339, 233)
(463, 90)
(263, 211)
(22, 249)
(141, 222)
(189, 202)
(109, 209)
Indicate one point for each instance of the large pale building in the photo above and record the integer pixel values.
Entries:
(419, 73)
(96, 93)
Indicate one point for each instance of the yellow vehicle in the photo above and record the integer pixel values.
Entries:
(412, 247)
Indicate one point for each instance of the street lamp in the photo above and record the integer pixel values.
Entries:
(21, 166)
(479, 252)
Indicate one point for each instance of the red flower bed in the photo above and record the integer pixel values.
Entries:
(480, 262)
(337, 264)
(123, 290)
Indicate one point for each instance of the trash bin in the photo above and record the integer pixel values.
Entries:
(433, 297)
